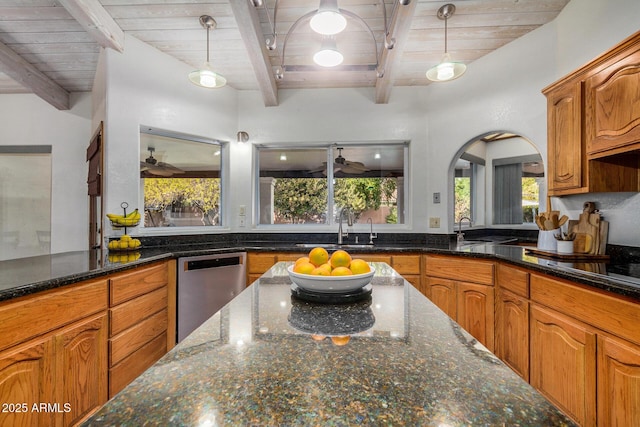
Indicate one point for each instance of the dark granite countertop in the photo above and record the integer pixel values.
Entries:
(26, 276)
(269, 359)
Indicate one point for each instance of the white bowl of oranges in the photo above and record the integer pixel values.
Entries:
(335, 273)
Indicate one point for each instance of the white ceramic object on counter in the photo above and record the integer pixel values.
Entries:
(547, 241)
(565, 246)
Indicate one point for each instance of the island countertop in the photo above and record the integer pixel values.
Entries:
(268, 358)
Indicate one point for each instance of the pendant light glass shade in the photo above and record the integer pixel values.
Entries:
(328, 55)
(328, 20)
(205, 76)
(447, 69)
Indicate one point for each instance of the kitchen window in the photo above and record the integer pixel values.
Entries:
(180, 179)
(309, 185)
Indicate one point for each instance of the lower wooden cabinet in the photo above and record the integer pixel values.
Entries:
(618, 382)
(463, 289)
(140, 327)
(563, 363)
(60, 377)
(512, 331)
(81, 375)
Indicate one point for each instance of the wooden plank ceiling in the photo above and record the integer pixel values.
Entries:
(51, 47)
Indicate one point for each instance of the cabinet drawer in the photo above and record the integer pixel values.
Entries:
(133, 311)
(122, 345)
(259, 263)
(33, 316)
(614, 314)
(406, 264)
(130, 285)
(136, 363)
(457, 268)
(513, 279)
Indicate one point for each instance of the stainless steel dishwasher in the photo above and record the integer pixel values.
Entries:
(206, 284)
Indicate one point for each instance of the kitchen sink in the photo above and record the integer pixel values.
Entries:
(333, 245)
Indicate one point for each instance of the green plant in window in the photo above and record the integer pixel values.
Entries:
(200, 193)
(300, 200)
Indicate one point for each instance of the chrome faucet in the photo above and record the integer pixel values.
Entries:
(460, 233)
(372, 235)
(341, 233)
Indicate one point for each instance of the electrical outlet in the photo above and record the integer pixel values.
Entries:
(434, 222)
(242, 223)
(436, 197)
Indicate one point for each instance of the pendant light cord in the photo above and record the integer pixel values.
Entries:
(445, 34)
(208, 28)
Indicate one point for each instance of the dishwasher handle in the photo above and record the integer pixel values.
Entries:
(212, 263)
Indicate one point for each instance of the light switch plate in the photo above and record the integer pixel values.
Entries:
(436, 197)
(242, 210)
(434, 222)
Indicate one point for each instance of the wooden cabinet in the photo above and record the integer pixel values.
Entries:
(593, 125)
(585, 345)
(54, 352)
(463, 289)
(512, 318)
(26, 378)
(564, 138)
(81, 360)
(612, 102)
(563, 363)
(139, 327)
(618, 382)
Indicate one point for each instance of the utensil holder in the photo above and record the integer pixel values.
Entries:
(565, 246)
(547, 241)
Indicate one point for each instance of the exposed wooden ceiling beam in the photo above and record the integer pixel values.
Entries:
(399, 27)
(30, 77)
(249, 25)
(97, 22)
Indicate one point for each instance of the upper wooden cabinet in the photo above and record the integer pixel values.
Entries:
(593, 125)
(612, 104)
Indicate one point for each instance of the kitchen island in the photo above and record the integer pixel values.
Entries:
(268, 358)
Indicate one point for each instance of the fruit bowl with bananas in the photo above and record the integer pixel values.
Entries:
(130, 220)
(125, 243)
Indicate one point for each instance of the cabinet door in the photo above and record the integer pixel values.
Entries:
(442, 292)
(618, 383)
(512, 332)
(81, 361)
(564, 145)
(475, 311)
(612, 106)
(563, 363)
(26, 379)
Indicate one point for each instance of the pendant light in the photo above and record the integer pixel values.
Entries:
(446, 70)
(205, 76)
(328, 55)
(328, 20)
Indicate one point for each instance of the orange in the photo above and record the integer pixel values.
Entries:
(326, 266)
(341, 271)
(340, 258)
(341, 340)
(359, 266)
(318, 256)
(304, 267)
(302, 259)
(320, 271)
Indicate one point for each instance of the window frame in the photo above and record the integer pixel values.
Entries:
(331, 223)
(224, 182)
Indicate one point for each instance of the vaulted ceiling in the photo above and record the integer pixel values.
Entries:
(51, 47)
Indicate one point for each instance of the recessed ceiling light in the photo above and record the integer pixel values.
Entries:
(283, 157)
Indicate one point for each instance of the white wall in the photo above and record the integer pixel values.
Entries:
(503, 91)
(28, 120)
(147, 87)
